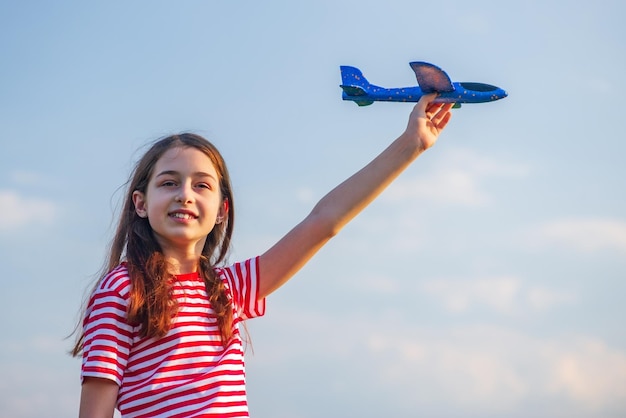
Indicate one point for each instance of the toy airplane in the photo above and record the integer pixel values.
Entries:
(430, 78)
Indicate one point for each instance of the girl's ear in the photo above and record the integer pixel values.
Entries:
(223, 212)
(139, 200)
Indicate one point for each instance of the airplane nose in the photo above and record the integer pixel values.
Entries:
(498, 94)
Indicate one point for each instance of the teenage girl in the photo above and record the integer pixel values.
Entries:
(160, 335)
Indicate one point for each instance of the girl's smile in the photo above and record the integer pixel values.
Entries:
(183, 215)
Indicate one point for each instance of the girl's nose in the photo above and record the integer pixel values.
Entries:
(185, 194)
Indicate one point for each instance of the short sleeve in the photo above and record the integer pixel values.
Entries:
(243, 281)
(107, 335)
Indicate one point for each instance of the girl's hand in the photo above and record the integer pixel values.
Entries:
(427, 120)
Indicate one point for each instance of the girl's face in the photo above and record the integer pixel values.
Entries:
(183, 201)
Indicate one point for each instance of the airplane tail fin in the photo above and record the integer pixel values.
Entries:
(354, 84)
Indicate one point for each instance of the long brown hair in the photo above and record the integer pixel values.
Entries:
(150, 302)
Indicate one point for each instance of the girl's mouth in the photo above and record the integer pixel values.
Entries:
(180, 215)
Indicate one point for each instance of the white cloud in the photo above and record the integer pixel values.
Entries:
(584, 235)
(458, 179)
(468, 373)
(541, 298)
(460, 295)
(24, 177)
(17, 211)
(456, 186)
(589, 371)
(507, 295)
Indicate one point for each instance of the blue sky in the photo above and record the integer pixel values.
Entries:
(488, 281)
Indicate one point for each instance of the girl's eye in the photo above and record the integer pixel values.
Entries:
(168, 183)
(204, 185)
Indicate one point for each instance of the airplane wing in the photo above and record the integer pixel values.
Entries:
(431, 78)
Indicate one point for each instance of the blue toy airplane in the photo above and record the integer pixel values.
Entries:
(431, 79)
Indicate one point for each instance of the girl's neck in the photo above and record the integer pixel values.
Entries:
(182, 263)
(183, 260)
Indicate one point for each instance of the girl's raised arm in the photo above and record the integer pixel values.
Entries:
(345, 201)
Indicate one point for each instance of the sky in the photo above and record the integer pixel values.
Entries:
(487, 281)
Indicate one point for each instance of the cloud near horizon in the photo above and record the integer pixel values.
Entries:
(17, 211)
(478, 368)
(585, 235)
(485, 367)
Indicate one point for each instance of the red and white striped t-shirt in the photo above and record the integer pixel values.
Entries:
(187, 373)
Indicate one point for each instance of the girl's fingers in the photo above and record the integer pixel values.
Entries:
(444, 119)
(426, 102)
(432, 106)
(438, 112)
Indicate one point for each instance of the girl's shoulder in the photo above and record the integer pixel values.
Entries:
(116, 280)
(242, 275)
(241, 280)
(114, 287)
(238, 270)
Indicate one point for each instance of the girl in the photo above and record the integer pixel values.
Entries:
(160, 333)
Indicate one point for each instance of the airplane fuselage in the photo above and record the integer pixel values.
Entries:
(462, 93)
